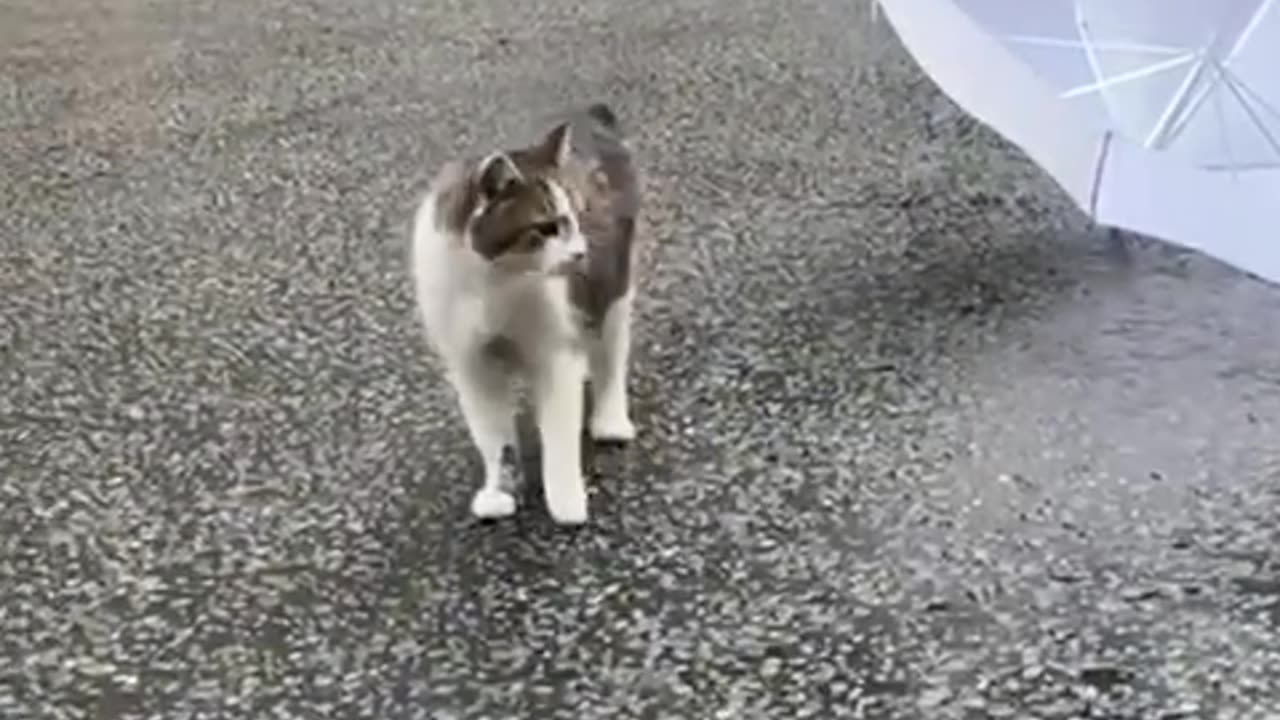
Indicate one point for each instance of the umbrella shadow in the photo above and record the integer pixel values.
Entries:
(950, 292)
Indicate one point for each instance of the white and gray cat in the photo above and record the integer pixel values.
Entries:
(524, 268)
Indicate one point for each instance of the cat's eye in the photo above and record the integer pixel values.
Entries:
(534, 240)
(538, 234)
(548, 229)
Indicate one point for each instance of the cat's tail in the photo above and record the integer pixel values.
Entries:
(605, 139)
(604, 115)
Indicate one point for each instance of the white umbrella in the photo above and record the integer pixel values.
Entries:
(1160, 117)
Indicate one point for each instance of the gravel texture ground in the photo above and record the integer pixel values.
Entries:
(915, 442)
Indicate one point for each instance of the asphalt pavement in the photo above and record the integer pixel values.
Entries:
(915, 441)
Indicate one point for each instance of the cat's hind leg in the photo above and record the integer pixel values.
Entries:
(488, 405)
(610, 356)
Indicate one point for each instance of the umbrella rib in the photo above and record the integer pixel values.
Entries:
(1223, 136)
(1254, 21)
(1086, 38)
(1103, 46)
(1230, 81)
(1160, 134)
(1254, 95)
(1241, 167)
(1106, 82)
(1189, 113)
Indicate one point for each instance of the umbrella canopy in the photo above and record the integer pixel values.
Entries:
(1161, 117)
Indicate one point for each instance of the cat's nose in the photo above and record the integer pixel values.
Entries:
(577, 256)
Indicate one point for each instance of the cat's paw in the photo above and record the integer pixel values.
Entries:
(492, 503)
(567, 502)
(612, 428)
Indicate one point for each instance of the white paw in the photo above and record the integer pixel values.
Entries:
(490, 504)
(612, 427)
(567, 502)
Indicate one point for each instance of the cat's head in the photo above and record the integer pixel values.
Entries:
(524, 219)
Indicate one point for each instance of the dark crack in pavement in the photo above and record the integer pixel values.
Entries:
(915, 441)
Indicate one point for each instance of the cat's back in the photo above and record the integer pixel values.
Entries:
(604, 183)
(608, 177)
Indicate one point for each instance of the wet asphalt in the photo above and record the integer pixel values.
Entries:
(915, 442)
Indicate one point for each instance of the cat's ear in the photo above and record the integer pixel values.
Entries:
(556, 145)
(495, 173)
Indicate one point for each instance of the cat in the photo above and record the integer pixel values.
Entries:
(523, 263)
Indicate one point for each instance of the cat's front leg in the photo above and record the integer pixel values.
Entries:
(559, 415)
(484, 394)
